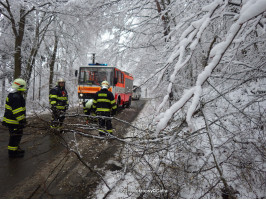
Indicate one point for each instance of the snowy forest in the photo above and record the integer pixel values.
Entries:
(202, 64)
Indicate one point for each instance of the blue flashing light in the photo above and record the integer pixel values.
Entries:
(98, 64)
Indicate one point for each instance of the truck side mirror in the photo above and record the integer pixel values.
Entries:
(76, 73)
(115, 81)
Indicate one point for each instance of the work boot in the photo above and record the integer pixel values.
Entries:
(16, 154)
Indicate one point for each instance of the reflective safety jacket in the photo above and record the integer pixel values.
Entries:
(58, 98)
(104, 102)
(15, 111)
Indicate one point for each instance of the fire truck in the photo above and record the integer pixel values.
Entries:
(90, 78)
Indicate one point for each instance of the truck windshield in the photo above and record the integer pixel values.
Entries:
(95, 75)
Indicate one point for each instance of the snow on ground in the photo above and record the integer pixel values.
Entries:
(124, 185)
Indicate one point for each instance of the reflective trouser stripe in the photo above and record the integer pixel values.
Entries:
(21, 109)
(104, 131)
(21, 117)
(10, 121)
(12, 148)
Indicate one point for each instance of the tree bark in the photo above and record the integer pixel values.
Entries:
(52, 62)
(3, 81)
(165, 17)
(18, 44)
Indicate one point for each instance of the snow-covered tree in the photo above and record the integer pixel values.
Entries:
(209, 95)
(203, 63)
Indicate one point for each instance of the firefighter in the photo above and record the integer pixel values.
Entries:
(87, 109)
(59, 103)
(104, 105)
(15, 117)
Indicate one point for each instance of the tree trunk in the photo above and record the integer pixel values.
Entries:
(18, 44)
(40, 85)
(3, 91)
(3, 82)
(52, 62)
(165, 17)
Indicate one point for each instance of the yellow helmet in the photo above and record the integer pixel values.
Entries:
(105, 84)
(19, 84)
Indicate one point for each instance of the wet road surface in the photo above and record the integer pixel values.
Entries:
(38, 150)
(43, 150)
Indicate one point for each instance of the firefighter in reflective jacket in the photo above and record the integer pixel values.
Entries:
(59, 103)
(15, 117)
(104, 105)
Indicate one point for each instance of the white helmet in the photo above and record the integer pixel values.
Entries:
(105, 85)
(61, 80)
(19, 84)
(89, 103)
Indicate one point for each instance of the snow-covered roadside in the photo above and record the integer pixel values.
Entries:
(193, 152)
(124, 185)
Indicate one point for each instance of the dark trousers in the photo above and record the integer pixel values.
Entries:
(105, 125)
(15, 138)
(58, 117)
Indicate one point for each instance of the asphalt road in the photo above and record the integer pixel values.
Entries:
(39, 147)
(48, 170)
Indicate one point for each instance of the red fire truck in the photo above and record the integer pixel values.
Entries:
(90, 78)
